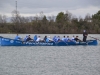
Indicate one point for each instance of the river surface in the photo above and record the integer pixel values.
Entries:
(50, 60)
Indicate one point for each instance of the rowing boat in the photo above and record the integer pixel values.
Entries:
(12, 42)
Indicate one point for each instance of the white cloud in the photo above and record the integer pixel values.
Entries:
(84, 11)
(77, 12)
(50, 7)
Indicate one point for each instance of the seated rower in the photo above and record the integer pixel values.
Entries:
(64, 39)
(25, 38)
(55, 39)
(68, 39)
(45, 38)
(76, 39)
(17, 37)
(58, 39)
(49, 39)
(35, 38)
(28, 38)
(39, 39)
(73, 38)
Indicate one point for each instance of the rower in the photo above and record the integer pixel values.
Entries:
(45, 38)
(39, 39)
(17, 37)
(64, 39)
(35, 38)
(55, 39)
(73, 38)
(76, 39)
(49, 38)
(58, 39)
(25, 38)
(28, 38)
(68, 39)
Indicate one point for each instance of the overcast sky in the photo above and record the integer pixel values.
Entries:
(50, 7)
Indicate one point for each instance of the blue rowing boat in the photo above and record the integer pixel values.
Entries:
(12, 42)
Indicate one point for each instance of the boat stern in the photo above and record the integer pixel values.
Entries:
(93, 42)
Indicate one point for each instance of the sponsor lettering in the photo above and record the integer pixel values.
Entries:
(39, 43)
(5, 39)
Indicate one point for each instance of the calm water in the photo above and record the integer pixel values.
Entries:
(49, 60)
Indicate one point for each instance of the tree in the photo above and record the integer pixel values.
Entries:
(96, 16)
(87, 18)
(60, 17)
(68, 16)
(44, 20)
(3, 19)
(96, 21)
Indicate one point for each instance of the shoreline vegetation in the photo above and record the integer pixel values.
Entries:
(63, 23)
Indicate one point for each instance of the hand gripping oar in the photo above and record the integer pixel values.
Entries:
(94, 38)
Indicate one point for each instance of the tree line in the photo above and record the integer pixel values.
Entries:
(63, 23)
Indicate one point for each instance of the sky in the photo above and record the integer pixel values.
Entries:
(78, 8)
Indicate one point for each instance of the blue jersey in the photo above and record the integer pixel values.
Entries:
(25, 38)
(55, 39)
(17, 38)
(64, 39)
(35, 38)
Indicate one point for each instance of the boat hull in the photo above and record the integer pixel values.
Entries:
(12, 42)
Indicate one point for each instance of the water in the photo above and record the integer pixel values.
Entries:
(49, 60)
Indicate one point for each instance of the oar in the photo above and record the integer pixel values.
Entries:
(94, 38)
(1, 37)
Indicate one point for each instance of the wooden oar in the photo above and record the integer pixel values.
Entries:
(94, 38)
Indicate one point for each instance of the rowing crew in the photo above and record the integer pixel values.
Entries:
(48, 39)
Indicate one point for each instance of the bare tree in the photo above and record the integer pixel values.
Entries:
(68, 16)
(87, 18)
(3, 19)
(41, 15)
(15, 17)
